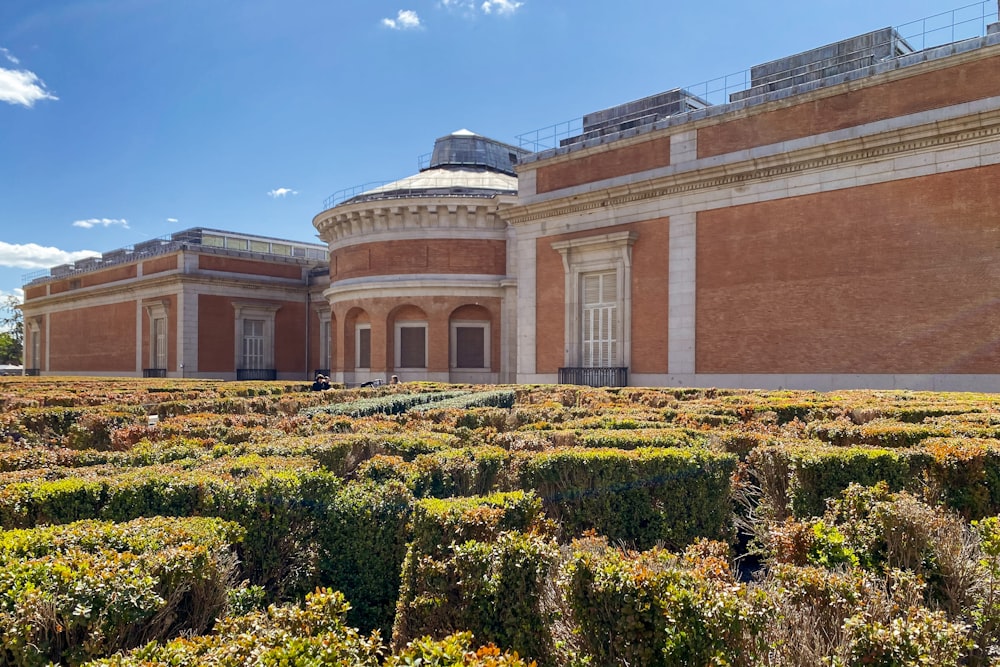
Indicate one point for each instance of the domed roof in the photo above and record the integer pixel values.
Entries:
(463, 164)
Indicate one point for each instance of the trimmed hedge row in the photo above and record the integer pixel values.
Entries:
(389, 404)
(88, 589)
(304, 526)
(643, 496)
(501, 398)
(798, 479)
(471, 567)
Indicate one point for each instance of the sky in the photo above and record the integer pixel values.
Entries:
(124, 120)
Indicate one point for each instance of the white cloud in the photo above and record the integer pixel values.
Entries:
(173, 221)
(8, 56)
(19, 86)
(281, 192)
(406, 19)
(34, 256)
(17, 293)
(501, 7)
(101, 222)
(471, 7)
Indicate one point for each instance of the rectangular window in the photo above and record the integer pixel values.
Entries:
(253, 344)
(324, 343)
(159, 340)
(470, 347)
(411, 346)
(36, 347)
(599, 319)
(260, 246)
(363, 339)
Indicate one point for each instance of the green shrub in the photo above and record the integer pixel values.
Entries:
(388, 404)
(87, 589)
(314, 634)
(801, 478)
(470, 471)
(657, 608)
(362, 540)
(493, 589)
(643, 496)
(965, 475)
(453, 651)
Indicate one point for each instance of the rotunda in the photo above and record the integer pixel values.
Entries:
(420, 284)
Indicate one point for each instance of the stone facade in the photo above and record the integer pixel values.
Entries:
(836, 227)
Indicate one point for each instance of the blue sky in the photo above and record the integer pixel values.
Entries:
(122, 120)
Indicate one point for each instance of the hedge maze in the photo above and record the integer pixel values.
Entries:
(426, 524)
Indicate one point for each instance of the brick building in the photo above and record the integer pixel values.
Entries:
(834, 224)
(201, 303)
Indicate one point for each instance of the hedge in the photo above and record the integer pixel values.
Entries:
(493, 588)
(799, 479)
(389, 404)
(313, 634)
(87, 589)
(659, 609)
(965, 474)
(469, 471)
(643, 496)
(277, 500)
(362, 538)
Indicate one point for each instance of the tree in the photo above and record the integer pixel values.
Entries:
(11, 330)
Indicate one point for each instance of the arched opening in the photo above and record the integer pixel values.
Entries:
(470, 334)
(408, 342)
(357, 344)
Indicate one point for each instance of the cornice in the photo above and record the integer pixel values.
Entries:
(981, 128)
(141, 285)
(723, 113)
(415, 285)
(457, 213)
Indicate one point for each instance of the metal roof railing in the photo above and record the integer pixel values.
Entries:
(467, 185)
(196, 236)
(967, 22)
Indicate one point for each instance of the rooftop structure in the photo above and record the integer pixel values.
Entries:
(463, 164)
(935, 37)
(197, 236)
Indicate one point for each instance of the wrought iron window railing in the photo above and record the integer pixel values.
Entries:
(599, 376)
(154, 372)
(247, 374)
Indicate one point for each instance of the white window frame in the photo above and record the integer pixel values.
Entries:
(600, 326)
(409, 324)
(36, 344)
(324, 339)
(470, 324)
(597, 254)
(158, 311)
(254, 311)
(357, 346)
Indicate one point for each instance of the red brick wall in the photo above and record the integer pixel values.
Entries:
(290, 337)
(108, 275)
(34, 292)
(475, 256)
(932, 90)
(649, 297)
(216, 342)
(160, 264)
(383, 313)
(95, 278)
(607, 163)
(234, 265)
(897, 277)
(93, 339)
